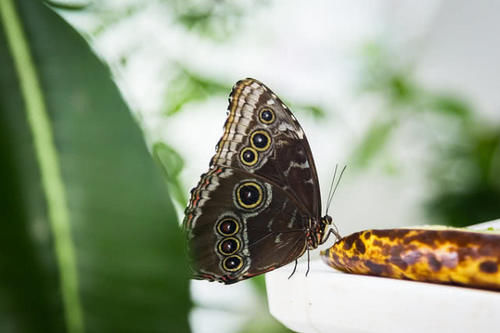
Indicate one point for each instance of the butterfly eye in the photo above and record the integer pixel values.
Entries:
(249, 195)
(229, 246)
(232, 263)
(260, 140)
(228, 227)
(249, 156)
(266, 116)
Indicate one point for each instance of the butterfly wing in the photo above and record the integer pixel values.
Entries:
(263, 155)
(262, 136)
(240, 225)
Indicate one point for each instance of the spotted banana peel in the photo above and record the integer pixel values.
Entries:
(443, 255)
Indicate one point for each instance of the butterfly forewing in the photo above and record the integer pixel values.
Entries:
(262, 136)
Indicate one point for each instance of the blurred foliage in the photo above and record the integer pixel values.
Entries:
(187, 86)
(216, 19)
(261, 320)
(467, 186)
(64, 129)
(316, 111)
(464, 174)
(373, 142)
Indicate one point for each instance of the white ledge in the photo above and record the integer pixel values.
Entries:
(331, 301)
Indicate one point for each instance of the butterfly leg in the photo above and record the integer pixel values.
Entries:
(334, 232)
(308, 261)
(294, 268)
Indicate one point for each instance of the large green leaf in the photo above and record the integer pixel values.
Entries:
(90, 239)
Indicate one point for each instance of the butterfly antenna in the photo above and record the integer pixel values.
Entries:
(331, 188)
(330, 198)
(338, 181)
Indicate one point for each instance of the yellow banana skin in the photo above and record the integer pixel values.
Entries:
(449, 256)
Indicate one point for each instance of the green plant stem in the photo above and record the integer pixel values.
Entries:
(47, 156)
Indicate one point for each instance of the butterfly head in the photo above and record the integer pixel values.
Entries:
(324, 226)
(323, 230)
(326, 220)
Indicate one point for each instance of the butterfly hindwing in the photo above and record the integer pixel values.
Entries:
(240, 226)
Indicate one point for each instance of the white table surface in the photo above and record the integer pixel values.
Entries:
(332, 301)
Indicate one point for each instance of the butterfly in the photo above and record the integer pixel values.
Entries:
(258, 207)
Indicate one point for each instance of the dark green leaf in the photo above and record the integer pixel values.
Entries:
(89, 231)
(476, 203)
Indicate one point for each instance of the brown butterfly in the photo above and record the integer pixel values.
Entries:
(258, 207)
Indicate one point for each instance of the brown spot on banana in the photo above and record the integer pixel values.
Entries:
(451, 256)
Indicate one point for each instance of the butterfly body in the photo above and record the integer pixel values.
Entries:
(258, 207)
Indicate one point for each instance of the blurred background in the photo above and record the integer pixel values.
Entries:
(404, 93)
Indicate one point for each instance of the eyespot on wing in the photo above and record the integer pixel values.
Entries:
(448, 256)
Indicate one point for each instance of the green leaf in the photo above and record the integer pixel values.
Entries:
(401, 88)
(171, 163)
(315, 111)
(90, 239)
(372, 144)
(450, 105)
(190, 87)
